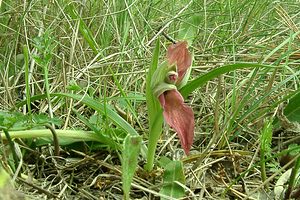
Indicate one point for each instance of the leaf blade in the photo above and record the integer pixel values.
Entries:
(201, 80)
(173, 175)
(131, 149)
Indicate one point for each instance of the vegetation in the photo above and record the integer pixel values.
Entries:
(78, 119)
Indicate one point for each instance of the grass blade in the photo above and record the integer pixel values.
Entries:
(201, 80)
(83, 28)
(188, 30)
(105, 110)
(99, 107)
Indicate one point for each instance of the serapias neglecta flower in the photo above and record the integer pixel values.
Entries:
(168, 78)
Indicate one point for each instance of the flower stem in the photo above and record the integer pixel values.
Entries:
(155, 132)
(12, 146)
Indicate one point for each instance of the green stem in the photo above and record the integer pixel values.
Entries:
(292, 180)
(63, 134)
(27, 88)
(55, 139)
(12, 146)
(47, 87)
(263, 169)
(155, 132)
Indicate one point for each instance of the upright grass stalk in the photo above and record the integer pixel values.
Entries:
(45, 47)
(27, 87)
(47, 89)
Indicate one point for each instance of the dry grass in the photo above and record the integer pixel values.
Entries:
(227, 137)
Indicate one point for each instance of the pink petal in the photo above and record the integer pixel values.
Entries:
(178, 53)
(179, 116)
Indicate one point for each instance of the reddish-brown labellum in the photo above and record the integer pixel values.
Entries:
(178, 115)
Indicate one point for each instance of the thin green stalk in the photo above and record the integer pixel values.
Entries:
(74, 135)
(27, 87)
(12, 146)
(45, 67)
(217, 107)
(292, 180)
(263, 167)
(55, 139)
(265, 148)
(155, 132)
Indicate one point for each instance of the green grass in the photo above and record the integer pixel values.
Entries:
(77, 60)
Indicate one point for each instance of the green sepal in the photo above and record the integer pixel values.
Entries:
(158, 82)
(163, 87)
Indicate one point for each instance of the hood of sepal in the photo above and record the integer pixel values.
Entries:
(179, 55)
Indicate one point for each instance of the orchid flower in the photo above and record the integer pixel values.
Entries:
(166, 81)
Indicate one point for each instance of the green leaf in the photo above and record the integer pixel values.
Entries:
(173, 175)
(294, 151)
(10, 120)
(132, 146)
(152, 102)
(154, 111)
(201, 80)
(41, 119)
(94, 104)
(292, 109)
(93, 126)
(105, 110)
(188, 29)
(266, 138)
